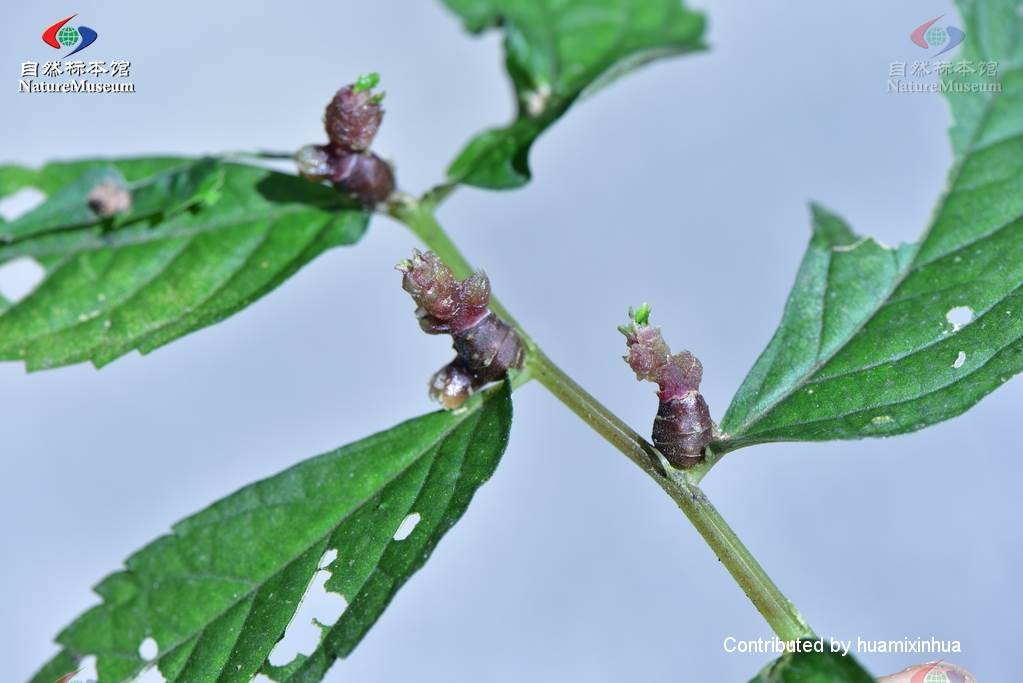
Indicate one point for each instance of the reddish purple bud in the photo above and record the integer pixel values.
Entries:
(352, 118)
(651, 359)
(487, 347)
(364, 176)
(445, 303)
(682, 428)
(367, 177)
(647, 351)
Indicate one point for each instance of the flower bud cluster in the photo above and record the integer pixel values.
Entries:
(486, 346)
(682, 427)
(352, 119)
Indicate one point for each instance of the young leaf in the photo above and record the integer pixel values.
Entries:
(877, 341)
(813, 667)
(555, 52)
(219, 592)
(198, 241)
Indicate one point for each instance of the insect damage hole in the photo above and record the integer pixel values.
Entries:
(148, 649)
(959, 317)
(328, 557)
(19, 277)
(318, 606)
(19, 203)
(86, 671)
(150, 675)
(959, 361)
(407, 526)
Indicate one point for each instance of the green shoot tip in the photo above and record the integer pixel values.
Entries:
(641, 314)
(366, 82)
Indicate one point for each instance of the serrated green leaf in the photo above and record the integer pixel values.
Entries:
(813, 667)
(218, 593)
(556, 51)
(202, 240)
(877, 341)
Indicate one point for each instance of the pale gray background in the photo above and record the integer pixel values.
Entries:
(570, 565)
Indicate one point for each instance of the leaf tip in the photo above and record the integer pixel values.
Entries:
(830, 227)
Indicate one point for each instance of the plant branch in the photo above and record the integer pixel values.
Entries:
(780, 614)
(772, 604)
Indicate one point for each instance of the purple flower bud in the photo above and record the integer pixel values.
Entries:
(487, 347)
(352, 118)
(651, 359)
(445, 303)
(364, 176)
(682, 427)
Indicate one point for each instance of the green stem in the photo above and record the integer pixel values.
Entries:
(780, 614)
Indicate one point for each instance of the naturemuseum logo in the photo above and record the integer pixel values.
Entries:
(936, 74)
(60, 35)
(928, 36)
(65, 75)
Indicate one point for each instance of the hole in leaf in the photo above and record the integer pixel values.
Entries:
(148, 649)
(881, 419)
(262, 678)
(328, 557)
(150, 675)
(407, 526)
(959, 317)
(19, 277)
(318, 607)
(86, 672)
(959, 361)
(21, 202)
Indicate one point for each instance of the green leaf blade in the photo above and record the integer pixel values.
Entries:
(202, 240)
(877, 341)
(218, 593)
(555, 53)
